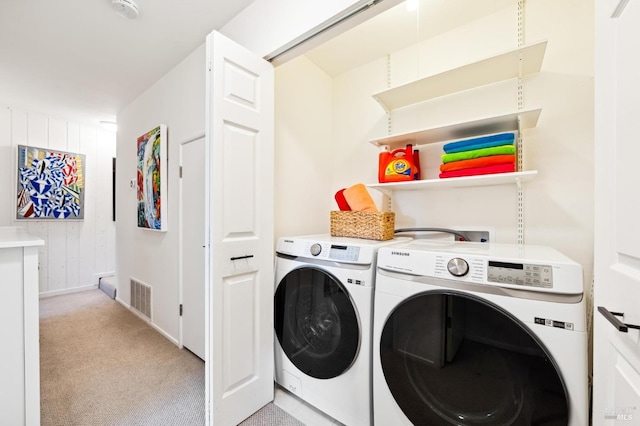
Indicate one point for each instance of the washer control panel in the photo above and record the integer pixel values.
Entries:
(344, 253)
(458, 267)
(334, 249)
(448, 267)
(315, 249)
(520, 274)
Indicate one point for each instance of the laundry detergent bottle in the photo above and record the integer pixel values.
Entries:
(397, 165)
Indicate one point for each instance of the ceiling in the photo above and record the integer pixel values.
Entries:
(79, 60)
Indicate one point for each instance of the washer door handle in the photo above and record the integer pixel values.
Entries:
(612, 317)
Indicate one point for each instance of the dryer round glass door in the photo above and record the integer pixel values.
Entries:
(452, 358)
(316, 322)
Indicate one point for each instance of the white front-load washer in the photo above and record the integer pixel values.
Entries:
(323, 306)
(479, 334)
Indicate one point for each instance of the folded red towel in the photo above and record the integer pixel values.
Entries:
(499, 168)
(478, 162)
(342, 202)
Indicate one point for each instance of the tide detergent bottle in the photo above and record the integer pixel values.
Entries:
(398, 165)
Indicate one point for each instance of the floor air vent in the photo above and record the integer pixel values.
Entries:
(141, 297)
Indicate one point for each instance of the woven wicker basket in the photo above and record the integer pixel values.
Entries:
(368, 225)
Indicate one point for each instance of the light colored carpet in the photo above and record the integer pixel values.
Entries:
(271, 415)
(102, 365)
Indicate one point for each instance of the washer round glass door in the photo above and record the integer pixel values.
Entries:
(316, 323)
(453, 359)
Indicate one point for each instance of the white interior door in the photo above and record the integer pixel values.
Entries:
(192, 233)
(240, 211)
(616, 391)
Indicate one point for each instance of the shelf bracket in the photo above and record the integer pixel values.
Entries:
(383, 191)
(387, 198)
(520, 213)
(519, 144)
(383, 105)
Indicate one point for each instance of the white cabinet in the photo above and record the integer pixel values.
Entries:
(515, 63)
(19, 316)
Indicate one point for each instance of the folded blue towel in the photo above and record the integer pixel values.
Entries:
(481, 142)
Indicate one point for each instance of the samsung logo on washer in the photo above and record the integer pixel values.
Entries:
(399, 253)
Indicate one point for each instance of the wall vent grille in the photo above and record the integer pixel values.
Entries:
(141, 297)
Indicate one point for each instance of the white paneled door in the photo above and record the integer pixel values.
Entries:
(239, 144)
(192, 243)
(616, 383)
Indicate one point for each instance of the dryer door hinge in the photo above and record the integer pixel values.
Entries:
(181, 309)
(180, 171)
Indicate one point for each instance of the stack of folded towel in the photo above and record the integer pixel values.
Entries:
(479, 156)
(355, 198)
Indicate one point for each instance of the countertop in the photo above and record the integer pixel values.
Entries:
(13, 236)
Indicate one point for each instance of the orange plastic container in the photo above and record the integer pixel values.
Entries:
(397, 165)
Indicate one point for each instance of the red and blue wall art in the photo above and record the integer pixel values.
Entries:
(51, 184)
(152, 177)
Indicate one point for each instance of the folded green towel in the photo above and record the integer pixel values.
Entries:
(481, 142)
(477, 153)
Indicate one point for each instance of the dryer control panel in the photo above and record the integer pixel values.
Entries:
(520, 274)
(534, 268)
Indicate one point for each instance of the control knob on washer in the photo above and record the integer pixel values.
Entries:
(458, 267)
(315, 249)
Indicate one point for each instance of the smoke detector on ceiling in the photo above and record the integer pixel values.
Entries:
(126, 8)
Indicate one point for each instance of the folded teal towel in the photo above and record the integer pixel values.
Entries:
(481, 142)
(477, 153)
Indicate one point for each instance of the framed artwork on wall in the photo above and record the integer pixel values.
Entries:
(51, 184)
(152, 179)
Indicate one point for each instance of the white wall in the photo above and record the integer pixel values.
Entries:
(76, 251)
(303, 148)
(558, 202)
(177, 100)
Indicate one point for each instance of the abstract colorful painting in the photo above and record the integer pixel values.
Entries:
(50, 184)
(152, 179)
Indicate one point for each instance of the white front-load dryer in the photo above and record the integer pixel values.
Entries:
(323, 307)
(479, 334)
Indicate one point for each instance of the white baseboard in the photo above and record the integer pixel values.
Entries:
(145, 319)
(67, 291)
